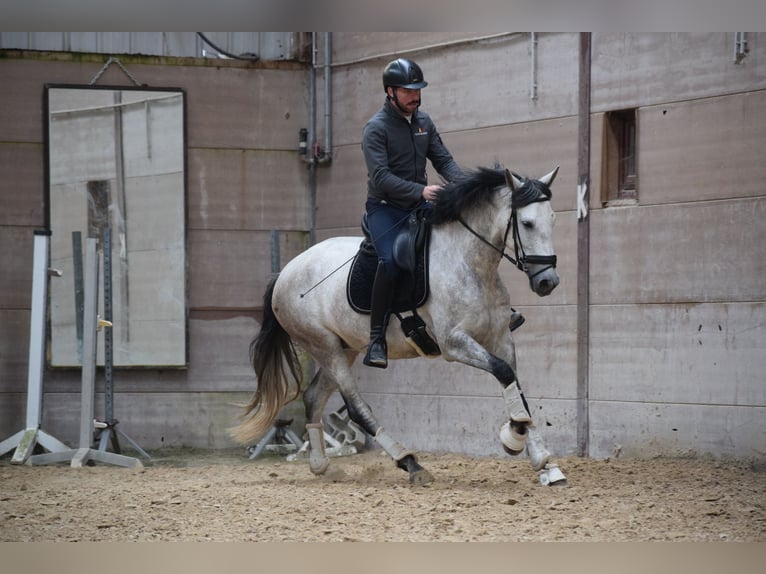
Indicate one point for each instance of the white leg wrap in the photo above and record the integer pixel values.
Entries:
(318, 461)
(538, 454)
(392, 447)
(512, 439)
(515, 405)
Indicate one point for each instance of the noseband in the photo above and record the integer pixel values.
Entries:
(522, 260)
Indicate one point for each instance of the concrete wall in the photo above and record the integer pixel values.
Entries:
(676, 285)
(244, 179)
(676, 279)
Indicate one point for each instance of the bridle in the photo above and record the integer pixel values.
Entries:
(522, 259)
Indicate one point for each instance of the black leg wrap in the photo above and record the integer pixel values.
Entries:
(418, 474)
(502, 371)
(367, 426)
(409, 464)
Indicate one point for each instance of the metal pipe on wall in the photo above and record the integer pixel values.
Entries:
(326, 155)
(309, 158)
(310, 151)
(533, 66)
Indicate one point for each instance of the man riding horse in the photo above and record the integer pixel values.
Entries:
(396, 143)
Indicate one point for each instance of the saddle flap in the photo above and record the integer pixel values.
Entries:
(410, 240)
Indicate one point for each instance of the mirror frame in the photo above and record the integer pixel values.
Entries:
(184, 220)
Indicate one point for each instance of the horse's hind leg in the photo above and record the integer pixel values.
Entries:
(361, 413)
(315, 399)
(335, 368)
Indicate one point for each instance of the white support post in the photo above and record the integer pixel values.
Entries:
(84, 453)
(25, 440)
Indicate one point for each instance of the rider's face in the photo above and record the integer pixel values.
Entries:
(405, 99)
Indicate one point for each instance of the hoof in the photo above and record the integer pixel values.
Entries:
(418, 475)
(421, 477)
(319, 466)
(552, 476)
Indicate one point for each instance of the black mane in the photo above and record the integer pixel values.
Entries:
(478, 187)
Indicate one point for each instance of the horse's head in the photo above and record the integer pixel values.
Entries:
(532, 222)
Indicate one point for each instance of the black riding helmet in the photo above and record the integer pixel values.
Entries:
(403, 73)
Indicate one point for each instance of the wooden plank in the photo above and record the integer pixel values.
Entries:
(690, 353)
(700, 252)
(14, 342)
(229, 269)
(657, 429)
(12, 409)
(22, 164)
(475, 86)
(707, 149)
(16, 263)
(254, 190)
(342, 189)
(350, 46)
(262, 109)
(638, 69)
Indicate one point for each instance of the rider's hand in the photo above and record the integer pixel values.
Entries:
(431, 192)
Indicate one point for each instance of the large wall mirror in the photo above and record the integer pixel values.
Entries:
(116, 172)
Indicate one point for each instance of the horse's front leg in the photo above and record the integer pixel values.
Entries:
(463, 347)
(519, 432)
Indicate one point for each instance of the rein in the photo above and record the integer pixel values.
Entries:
(522, 260)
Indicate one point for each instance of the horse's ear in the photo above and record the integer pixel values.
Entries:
(547, 179)
(513, 181)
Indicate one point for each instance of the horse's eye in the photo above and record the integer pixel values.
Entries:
(528, 224)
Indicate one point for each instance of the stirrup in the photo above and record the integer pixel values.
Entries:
(377, 354)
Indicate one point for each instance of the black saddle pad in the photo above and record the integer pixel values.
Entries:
(411, 288)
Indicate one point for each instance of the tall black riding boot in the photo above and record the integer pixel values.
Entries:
(382, 292)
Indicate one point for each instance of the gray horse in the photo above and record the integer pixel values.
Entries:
(474, 222)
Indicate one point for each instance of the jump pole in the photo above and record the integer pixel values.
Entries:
(109, 430)
(25, 440)
(84, 453)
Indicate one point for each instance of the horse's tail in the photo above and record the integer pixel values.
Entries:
(274, 358)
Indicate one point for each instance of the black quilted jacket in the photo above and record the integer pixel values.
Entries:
(396, 150)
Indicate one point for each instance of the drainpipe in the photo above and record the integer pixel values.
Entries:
(740, 47)
(325, 156)
(533, 66)
(309, 149)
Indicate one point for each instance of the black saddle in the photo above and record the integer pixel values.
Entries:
(410, 254)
